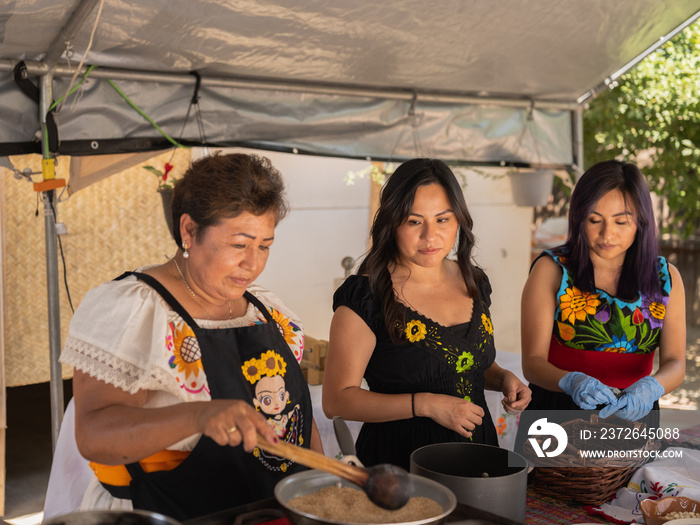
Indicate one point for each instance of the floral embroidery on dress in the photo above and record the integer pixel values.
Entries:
(654, 311)
(465, 362)
(576, 305)
(428, 335)
(604, 323)
(486, 329)
(487, 324)
(415, 331)
(185, 358)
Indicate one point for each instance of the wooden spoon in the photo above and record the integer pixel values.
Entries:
(386, 485)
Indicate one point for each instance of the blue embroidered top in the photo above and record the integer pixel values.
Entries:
(604, 323)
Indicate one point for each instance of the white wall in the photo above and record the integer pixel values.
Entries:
(503, 246)
(329, 220)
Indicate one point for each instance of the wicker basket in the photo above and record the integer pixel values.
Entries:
(586, 480)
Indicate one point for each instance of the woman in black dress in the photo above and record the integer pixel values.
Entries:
(415, 324)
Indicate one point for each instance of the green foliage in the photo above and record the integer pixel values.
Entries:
(652, 118)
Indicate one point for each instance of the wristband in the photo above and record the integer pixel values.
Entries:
(413, 404)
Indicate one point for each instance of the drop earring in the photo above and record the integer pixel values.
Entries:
(185, 253)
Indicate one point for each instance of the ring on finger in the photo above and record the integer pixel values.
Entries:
(231, 430)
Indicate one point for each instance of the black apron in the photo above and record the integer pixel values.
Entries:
(215, 477)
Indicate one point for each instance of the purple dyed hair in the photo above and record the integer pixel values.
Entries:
(640, 268)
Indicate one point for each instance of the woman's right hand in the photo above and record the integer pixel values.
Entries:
(232, 422)
(586, 391)
(450, 412)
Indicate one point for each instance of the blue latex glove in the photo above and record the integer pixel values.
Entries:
(586, 391)
(636, 400)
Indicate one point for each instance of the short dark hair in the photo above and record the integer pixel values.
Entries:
(640, 268)
(218, 187)
(396, 202)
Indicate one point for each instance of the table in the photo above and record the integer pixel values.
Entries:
(544, 510)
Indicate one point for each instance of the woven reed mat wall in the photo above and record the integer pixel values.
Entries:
(114, 225)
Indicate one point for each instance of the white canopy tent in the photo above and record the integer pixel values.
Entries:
(334, 78)
(465, 80)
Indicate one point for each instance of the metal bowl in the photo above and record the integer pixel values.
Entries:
(311, 481)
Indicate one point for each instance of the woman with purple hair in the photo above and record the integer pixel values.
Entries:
(595, 309)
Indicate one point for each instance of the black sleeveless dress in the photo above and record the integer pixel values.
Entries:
(437, 359)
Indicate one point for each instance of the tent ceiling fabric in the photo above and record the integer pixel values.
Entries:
(539, 50)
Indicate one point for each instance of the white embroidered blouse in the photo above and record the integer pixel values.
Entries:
(125, 334)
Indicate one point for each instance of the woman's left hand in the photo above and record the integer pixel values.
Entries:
(516, 394)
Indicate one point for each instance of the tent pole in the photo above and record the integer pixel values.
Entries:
(49, 200)
(63, 70)
(577, 123)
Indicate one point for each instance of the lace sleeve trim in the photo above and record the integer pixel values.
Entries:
(114, 371)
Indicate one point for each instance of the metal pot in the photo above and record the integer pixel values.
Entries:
(307, 482)
(112, 517)
(483, 476)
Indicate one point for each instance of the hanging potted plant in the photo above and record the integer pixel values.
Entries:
(531, 187)
(166, 182)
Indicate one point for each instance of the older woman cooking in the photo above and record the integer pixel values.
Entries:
(178, 364)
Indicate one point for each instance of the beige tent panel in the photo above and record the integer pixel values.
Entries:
(88, 170)
(113, 225)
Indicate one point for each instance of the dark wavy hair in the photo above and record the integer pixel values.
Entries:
(219, 187)
(640, 268)
(395, 205)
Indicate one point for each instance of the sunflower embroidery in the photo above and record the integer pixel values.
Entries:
(184, 358)
(576, 305)
(465, 362)
(428, 335)
(287, 328)
(415, 331)
(486, 322)
(271, 363)
(187, 357)
(253, 370)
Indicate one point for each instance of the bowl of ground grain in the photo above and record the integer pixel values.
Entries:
(666, 510)
(313, 497)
